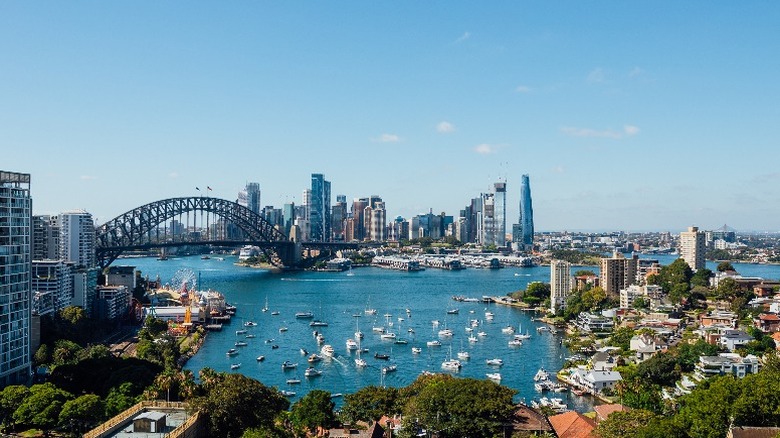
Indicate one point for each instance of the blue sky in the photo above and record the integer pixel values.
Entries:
(626, 115)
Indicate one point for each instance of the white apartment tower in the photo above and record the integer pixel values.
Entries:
(77, 238)
(378, 221)
(15, 268)
(560, 284)
(692, 247)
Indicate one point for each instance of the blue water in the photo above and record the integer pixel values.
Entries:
(335, 297)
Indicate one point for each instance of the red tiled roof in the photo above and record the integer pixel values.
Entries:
(769, 317)
(572, 425)
(604, 411)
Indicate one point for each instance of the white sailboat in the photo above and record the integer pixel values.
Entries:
(265, 309)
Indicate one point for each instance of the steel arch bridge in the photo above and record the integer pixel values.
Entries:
(139, 229)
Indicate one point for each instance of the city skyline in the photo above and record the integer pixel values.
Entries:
(627, 117)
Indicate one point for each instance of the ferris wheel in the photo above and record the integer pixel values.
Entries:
(184, 280)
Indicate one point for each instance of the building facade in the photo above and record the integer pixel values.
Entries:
(77, 238)
(617, 272)
(46, 237)
(15, 281)
(692, 247)
(319, 216)
(52, 286)
(560, 284)
(249, 197)
(524, 232)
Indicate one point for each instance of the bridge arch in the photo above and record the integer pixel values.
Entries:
(133, 229)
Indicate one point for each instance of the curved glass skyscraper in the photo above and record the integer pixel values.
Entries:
(525, 230)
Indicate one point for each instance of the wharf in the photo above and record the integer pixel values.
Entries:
(561, 376)
(214, 327)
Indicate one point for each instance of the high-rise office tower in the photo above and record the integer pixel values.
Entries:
(320, 208)
(560, 284)
(692, 247)
(46, 237)
(617, 272)
(499, 213)
(358, 226)
(249, 197)
(15, 269)
(523, 231)
(77, 238)
(337, 217)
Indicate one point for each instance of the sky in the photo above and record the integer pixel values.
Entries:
(627, 116)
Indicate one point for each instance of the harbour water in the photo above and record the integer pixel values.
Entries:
(337, 298)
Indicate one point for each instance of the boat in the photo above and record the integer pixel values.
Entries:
(451, 365)
(312, 372)
(268, 341)
(304, 352)
(241, 332)
(320, 339)
(314, 358)
(275, 313)
(318, 323)
(265, 309)
(232, 352)
(515, 343)
(388, 336)
(445, 333)
(378, 329)
(381, 356)
(274, 347)
(240, 344)
(251, 336)
(260, 358)
(328, 351)
(433, 343)
(250, 324)
(523, 337)
(494, 376)
(416, 350)
(495, 362)
(410, 330)
(540, 375)
(389, 369)
(401, 341)
(435, 322)
(205, 257)
(287, 393)
(464, 355)
(453, 311)
(408, 312)
(351, 345)
(369, 310)
(295, 381)
(481, 334)
(469, 329)
(336, 395)
(508, 330)
(235, 366)
(287, 365)
(489, 316)
(282, 329)
(543, 328)
(304, 315)
(473, 339)
(474, 323)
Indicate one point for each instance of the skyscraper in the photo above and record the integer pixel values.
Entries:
(77, 238)
(560, 283)
(15, 269)
(523, 232)
(692, 247)
(492, 221)
(320, 208)
(617, 272)
(249, 197)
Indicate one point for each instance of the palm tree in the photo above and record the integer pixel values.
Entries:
(187, 386)
(164, 381)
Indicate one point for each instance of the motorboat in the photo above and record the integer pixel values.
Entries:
(314, 358)
(481, 334)
(433, 343)
(464, 355)
(360, 362)
(389, 369)
(508, 330)
(451, 365)
(435, 322)
(328, 351)
(445, 333)
(240, 344)
(389, 336)
(275, 313)
(251, 336)
(232, 352)
(235, 366)
(312, 372)
(495, 362)
(250, 324)
(543, 328)
(378, 329)
(410, 330)
(318, 323)
(241, 332)
(416, 350)
(295, 381)
(287, 365)
(469, 329)
(287, 393)
(494, 376)
(453, 311)
(542, 374)
(304, 352)
(401, 341)
(304, 315)
(473, 339)
(282, 329)
(489, 316)
(515, 343)
(268, 341)
(381, 356)
(274, 347)
(320, 339)
(351, 345)
(260, 358)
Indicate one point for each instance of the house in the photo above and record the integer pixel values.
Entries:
(594, 381)
(727, 363)
(733, 339)
(361, 431)
(644, 345)
(602, 361)
(718, 318)
(591, 323)
(604, 411)
(752, 432)
(528, 420)
(572, 425)
(767, 322)
(149, 422)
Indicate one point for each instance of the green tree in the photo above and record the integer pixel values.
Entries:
(624, 424)
(446, 406)
(594, 298)
(584, 272)
(727, 289)
(11, 397)
(675, 274)
(153, 328)
(536, 293)
(245, 401)
(369, 404)
(621, 337)
(701, 277)
(82, 413)
(725, 266)
(314, 410)
(42, 355)
(42, 408)
(119, 399)
(74, 315)
(65, 352)
(707, 411)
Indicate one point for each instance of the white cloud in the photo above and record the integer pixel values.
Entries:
(87, 177)
(596, 76)
(464, 37)
(445, 127)
(628, 131)
(523, 89)
(387, 138)
(173, 175)
(559, 169)
(485, 149)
